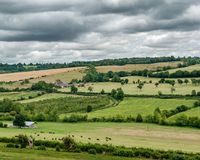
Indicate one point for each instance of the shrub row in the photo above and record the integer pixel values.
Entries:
(70, 145)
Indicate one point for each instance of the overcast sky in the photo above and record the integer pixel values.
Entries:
(71, 30)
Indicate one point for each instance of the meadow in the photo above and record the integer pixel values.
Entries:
(46, 97)
(61, 105)
(17, 95)
(143, 106)
(127, 134)
(189, 68)
(195, 112)
(131, 89)
(66, 104)
(136, 67)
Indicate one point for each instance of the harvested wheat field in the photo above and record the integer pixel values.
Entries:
(34, 74)
(131, 67)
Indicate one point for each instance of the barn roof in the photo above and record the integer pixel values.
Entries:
(29, 123)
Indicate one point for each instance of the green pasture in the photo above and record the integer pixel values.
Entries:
(143, 106)
(46, 97)
(189, 69)
(17, 95)
(131, 89)
(195, 112)
(128, 134)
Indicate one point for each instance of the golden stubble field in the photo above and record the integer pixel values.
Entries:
(35, 74)
(77, 72)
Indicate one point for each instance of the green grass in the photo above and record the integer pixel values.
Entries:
(195, 112)
(46, 97)
(128, 134)
(17, 95)
(189, 69)
(67, 104)
(143, 106)
(27, 154)
(131, 89)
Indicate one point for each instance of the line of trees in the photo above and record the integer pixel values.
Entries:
(68, 144)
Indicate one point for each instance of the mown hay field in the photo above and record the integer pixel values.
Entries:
(132, 67)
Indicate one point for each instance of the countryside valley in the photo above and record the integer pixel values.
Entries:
(129, 108)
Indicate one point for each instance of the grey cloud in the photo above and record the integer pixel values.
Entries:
(64, 30)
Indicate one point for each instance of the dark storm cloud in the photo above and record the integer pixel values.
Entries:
(94, 29)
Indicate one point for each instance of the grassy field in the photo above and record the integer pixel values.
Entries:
(47, 96)
(148, 89)
(143, 106)
(17, 95)
(128, 134)
(131, 67)
(67, 104)
(27, 154)
(195, 112)
(189, 69)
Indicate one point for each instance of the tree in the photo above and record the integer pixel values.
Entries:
(186, 81)
(74, 89)
(160, 93)
(69, 143)
(113, 92)
(43, 86)
(139, 118)
(157, 115)
(173, 90)
(181, 120)
(89, 108)
(126, 81)
(156, 84)
(120, 94)
(23, 140)
(19, 120)
(117, 94)
(180, 81)
(102, 91)
(194, 93)
(90, 88)
(140, 86)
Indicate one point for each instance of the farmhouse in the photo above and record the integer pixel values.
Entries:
(62, 84)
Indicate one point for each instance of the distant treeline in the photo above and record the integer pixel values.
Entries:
(6, 68)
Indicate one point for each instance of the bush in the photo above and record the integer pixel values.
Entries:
(89, 108)
(43, 148)
(10, 145)
(1, 125)
(58, 148)
(69, 143)
(75, 118)
(92, 151)
(139, 118)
